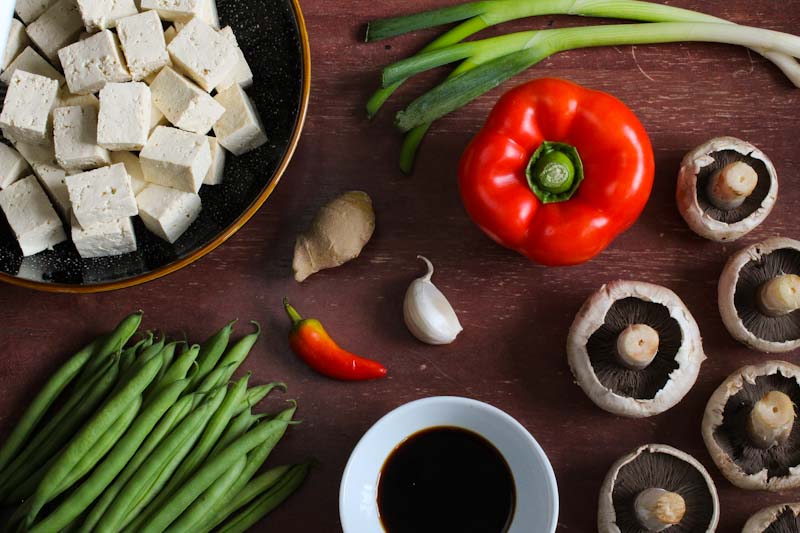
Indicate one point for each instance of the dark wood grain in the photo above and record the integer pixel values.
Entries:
(515, 314)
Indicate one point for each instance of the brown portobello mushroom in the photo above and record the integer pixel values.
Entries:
(759, 295)
(775, 519)
(657, 488)
(634, 348)
(749, 428)
(726, 188)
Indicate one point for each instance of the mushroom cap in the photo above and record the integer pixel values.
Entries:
(639, 462)
(786, 512)
(634, 393)
(724, 428)
(698, 166)
(737, 295)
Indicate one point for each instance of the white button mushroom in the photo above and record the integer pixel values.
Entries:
(776, 518)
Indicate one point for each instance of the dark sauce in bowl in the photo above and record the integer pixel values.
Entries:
(446, 480)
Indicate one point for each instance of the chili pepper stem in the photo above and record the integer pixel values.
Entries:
(292, 312)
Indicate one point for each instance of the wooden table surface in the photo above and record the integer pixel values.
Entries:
(515, 314)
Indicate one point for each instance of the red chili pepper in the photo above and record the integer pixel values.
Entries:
(312, 344)
(557, 172)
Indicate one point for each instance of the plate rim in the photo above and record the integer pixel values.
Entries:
(235, 226)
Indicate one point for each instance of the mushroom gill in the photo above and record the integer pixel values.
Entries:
(785, 522)
(731, 200)
(630, 321)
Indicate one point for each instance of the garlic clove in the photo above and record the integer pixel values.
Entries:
(427, 313)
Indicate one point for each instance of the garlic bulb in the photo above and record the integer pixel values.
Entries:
(427, 313)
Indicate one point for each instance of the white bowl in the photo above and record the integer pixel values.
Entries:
(536, 509)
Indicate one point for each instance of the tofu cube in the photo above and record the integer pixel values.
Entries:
(168, 212)
(144, 44)
(52, 178)
(30, 10)
(174, 9)
(124, 120)
(67, 99)
(210, 13)
(59, 26)
(241, 73)
(203, 54)
(26, 111)
(183, 103)
(157, 118)
(30, 61)
(240, 129)
(90, 64)
(31, 217)
(104, 239)
(169, 34)
(36, 153)
(101, 195)
(176, 159)
(133, 168)
(217, 171)
(104, 14)
(75, 134)
(17, 41)
(12, 166)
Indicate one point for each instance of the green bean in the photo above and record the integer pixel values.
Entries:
(79, 446)
(193, 516)
(156, 470)
(167, 354)
(210, 436)
(210, 352)
(258, 393)
(125, 449)
(57, 432)
(234, 357)
(271, 432)
(128, 356)
(218, 377)
(113, 343)
(42, 402)
(174, 416)
(218, 512)
(268, 501)
(238, 427)
(178, 370)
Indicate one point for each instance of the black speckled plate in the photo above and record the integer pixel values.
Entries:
(272, 35)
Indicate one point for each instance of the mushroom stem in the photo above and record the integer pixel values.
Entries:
(771, 420)
(731, 185)
(780, 295)
(658, 509)
(637, 346)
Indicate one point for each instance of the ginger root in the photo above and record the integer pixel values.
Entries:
(338, 233)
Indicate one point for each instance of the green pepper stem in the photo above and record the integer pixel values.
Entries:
(292, 312)
(554, 172)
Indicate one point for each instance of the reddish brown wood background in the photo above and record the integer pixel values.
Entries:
(515, 314)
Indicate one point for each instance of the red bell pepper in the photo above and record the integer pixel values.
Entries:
(312, 344)
(557, 172)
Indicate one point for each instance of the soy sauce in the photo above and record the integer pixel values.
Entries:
(446, 480)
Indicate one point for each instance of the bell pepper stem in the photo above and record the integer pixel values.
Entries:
(292, 312)
(554, 172)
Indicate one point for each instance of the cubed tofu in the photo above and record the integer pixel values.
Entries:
(90, 64)
(30, 61)
(216, 172)
(132, 167)
(75, 135)
(183, 103)
(176, 158)
(210, 13)
(104, 14)
(240, 129)
(36, 153)
(67, 99)
(157, 118)
(241, 73)
(32, 219)
(169, 34)
(53, 179)
(101, 195)
(12, 166)
(144, 45)
(203, 54)
(104, 239)
(174, 9)
(30, 10)
(16, 43)
(59, 26)
(168, 212)
(26, 111)
(124, 120)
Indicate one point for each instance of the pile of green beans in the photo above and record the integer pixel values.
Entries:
(137, 434)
